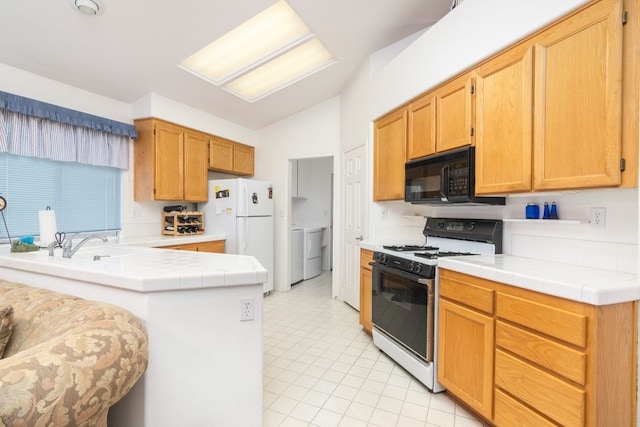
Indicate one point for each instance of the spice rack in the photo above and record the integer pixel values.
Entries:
(182, 223)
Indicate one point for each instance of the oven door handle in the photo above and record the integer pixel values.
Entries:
(409, 276)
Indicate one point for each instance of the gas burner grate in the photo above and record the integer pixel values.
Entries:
(431, 255)
(410, 248)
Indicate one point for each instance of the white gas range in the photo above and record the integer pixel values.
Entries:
(405, 290)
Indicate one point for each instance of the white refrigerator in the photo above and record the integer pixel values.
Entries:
(242, 209)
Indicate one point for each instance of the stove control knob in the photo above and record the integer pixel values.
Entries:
(441, 224)
(411, 266)
(471, 226)
(382, 258)
(417, 268)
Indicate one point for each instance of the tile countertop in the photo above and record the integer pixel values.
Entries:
(587, 285)
(141, 269)
(167, 240)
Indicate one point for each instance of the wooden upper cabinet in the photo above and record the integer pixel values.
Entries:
(230, 157)
(170, 162)
(243, 160)
(454, 113)
(220, 154)
(196, 164)
(389, 156)
(578, 100)
(504, 122)
(421, 138)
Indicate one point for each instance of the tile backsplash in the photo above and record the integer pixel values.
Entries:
(621, 257)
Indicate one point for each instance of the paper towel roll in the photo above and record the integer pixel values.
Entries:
(47, 227)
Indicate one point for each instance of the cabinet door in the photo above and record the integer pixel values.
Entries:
(421, 138)
(389, 148)
(195, 167)
(243, 159)
(215, 246)
(366, 257)
(577, 136)
(454, 110)
(504, 122)
(465, 355)
(169, 162)
(220, 155)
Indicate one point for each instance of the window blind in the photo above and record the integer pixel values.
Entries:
(85, 197)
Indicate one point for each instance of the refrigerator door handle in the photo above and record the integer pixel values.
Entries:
(245, 241)
(245, 197)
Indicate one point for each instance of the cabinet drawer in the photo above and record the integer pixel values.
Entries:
(556, 322)
(466, 293)
(560, 359)
(511, 413)
(366, 256)
(549, 395)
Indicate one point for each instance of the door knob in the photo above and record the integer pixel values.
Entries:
(359, 238)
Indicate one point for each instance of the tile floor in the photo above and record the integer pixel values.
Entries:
(321, 369)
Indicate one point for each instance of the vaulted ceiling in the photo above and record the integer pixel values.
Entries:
(133, 48)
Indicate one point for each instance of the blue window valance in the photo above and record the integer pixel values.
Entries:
(31, 107)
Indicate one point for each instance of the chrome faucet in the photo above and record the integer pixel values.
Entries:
(67, 252)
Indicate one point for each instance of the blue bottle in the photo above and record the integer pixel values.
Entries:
(554, 211)
(547, 213)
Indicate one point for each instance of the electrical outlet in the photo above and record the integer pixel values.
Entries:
(247, 308)
(598, 217)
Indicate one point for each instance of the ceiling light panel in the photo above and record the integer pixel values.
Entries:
(282, 71)
(261, 38)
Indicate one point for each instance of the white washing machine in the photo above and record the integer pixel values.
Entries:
(297, 254)
(312, 263)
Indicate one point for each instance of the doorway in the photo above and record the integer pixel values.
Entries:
(311, 206)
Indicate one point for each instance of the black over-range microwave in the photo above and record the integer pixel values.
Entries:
(447, 177)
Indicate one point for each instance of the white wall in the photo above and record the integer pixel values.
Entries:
(18, 82)
(311, 133)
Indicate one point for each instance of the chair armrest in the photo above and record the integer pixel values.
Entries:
(73, 378)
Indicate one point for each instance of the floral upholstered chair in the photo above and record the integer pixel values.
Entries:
(67, 360)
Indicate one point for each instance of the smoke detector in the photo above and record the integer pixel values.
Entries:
(87, 7)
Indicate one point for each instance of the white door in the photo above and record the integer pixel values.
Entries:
(353, 219)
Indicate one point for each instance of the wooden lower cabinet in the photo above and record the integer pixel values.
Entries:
(465, 327)
(521, 358)
(366, 256)
(215, 246)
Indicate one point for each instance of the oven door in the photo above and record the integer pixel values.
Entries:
(402, 308)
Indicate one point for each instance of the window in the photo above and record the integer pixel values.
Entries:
(85, 197)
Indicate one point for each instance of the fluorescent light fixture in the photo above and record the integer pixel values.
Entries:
(269, 37)
(282, 71)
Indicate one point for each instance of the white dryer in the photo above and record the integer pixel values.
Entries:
(312, 263)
